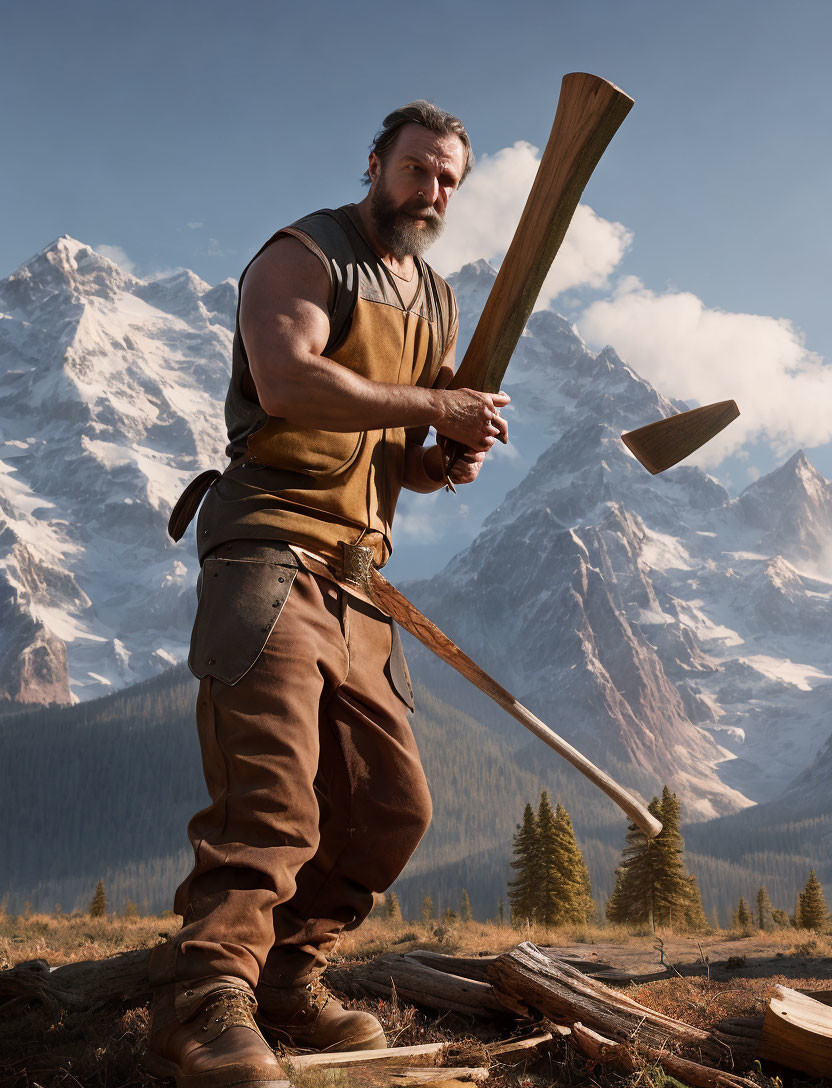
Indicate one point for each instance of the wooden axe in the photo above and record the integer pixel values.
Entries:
(590, 111)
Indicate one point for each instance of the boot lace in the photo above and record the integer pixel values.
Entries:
(319, 995)
(231, 1007)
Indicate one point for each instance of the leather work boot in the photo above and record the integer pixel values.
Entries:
(310, 1018)
(206, 1037)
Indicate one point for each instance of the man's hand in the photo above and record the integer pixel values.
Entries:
(465, 471)
(473, 418)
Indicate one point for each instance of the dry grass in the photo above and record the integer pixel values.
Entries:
(377, 935)
(103, 1048)
(65, 938)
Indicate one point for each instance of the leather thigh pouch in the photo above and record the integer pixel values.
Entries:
(397, 671)
(242, 590)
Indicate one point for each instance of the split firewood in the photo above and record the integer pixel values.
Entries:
(427, 1053)
(378, 1076)
(439, 1078)
(633, 1057)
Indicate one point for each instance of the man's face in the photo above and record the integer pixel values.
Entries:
(411, 189)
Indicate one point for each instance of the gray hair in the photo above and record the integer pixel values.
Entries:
(428, 116)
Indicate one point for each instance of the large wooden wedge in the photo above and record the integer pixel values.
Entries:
(660, 445)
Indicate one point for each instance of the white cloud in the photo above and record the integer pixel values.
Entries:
(694, 353)
(195, 225)
(422, 518)
(213, 249)
(118, 256)
(484, 214)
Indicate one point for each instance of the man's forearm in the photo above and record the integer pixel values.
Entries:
(317, 392)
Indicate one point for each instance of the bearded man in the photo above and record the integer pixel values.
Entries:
(343, 349)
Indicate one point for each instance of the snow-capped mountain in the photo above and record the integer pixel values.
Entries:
(111, 398)
(651, 619)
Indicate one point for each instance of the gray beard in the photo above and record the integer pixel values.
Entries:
(398, 230)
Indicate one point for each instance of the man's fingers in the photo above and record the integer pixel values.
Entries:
(498, 427)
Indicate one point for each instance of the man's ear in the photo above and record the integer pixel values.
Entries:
(373, 166)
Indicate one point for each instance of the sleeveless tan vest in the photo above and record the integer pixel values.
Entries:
(312, 487)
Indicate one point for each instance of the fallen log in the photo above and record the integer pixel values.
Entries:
(566, 996)
(633, 1057)
(419, 984)
(82, 985)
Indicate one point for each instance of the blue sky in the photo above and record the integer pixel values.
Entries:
(185, 133)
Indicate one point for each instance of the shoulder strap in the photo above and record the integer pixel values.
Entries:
(443, 310)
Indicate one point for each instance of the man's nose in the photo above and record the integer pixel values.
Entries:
(430, 190)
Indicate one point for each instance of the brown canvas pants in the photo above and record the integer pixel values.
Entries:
(318, 797)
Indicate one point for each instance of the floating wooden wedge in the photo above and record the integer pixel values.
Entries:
(660, 445)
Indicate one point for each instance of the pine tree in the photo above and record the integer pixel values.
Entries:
(392, 910)
(98, 905)
(576, 904)
(812, 904)
(500, 912)
(633, 900)
(742, 916)
(673, 888)
(779, 918)
(765, 919)
(524, 890)
(550, 902)
(465, 914)
(651, 883)
(428, 912)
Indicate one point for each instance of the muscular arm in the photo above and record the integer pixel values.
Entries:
(285, 326)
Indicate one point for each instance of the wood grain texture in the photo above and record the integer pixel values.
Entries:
(395, 604)
(566, 996)
(589, 112)
(419, 984)
(797, 1032)
(633, 1057)
(660, 445)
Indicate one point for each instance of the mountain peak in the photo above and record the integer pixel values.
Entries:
(794, 505)
(796, 474)
(477, 274)
(67, 267)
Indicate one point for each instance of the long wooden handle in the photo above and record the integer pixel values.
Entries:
(395, 604)
(589, 112)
